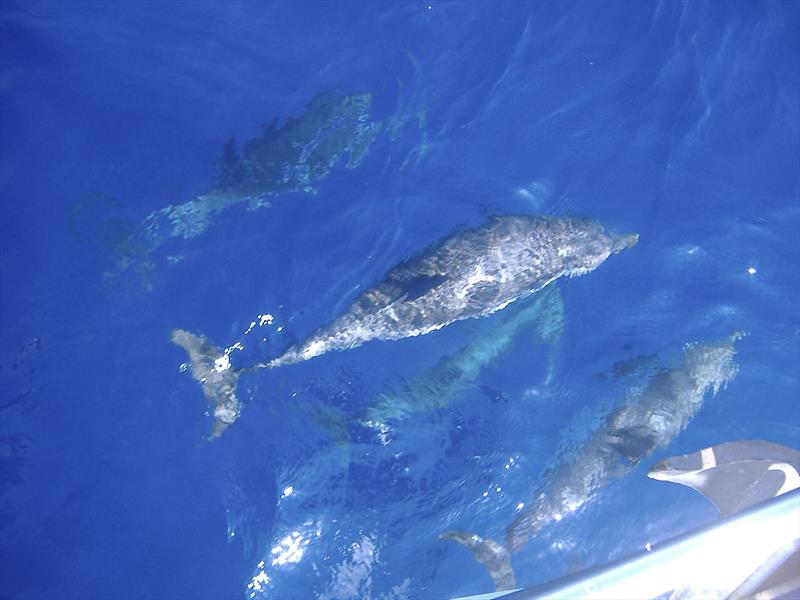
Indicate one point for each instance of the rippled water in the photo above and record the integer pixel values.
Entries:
(362, 134)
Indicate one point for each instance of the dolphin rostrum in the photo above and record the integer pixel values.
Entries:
(644, 423)
(470, 274)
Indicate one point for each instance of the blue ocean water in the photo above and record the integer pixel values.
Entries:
(375, 129)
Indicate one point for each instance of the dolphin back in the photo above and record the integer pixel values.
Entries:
(470, 274)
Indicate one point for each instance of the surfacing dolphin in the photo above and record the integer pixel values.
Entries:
(642, 424)
(470, 274)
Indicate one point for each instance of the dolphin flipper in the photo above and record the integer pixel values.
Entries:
(211, 368)
(734, 475)
(490, 554)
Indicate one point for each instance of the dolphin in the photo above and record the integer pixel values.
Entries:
(641, 425)
(210, 367)
(452, 375)
(470, 274)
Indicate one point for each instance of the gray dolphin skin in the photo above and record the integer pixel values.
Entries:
(209, 367)
(641, 425)
(470, 274)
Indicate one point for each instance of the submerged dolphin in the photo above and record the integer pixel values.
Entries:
(469, 274)
(452, 375)
(643, 424)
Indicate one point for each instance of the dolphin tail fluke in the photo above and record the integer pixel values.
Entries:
(490, 554)
(211, 367)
